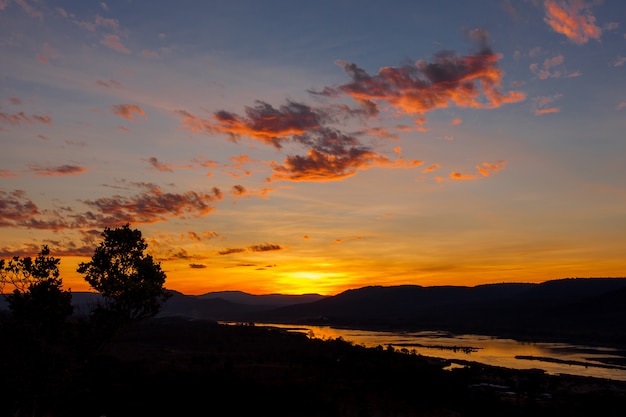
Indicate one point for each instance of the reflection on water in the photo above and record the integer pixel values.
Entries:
(597, 362)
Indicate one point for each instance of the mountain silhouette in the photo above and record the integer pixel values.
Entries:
(574, 309)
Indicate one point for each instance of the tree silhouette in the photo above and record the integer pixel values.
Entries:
(37, 297)
(130, 282)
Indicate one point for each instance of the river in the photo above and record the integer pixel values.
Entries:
(592, 361)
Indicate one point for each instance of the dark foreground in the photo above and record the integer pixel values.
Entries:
(177, 367)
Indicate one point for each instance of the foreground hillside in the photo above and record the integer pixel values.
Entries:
(176, 367)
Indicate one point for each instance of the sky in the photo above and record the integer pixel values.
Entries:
(313, 147)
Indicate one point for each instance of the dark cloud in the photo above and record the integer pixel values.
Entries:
(16, 207)
(163, 167)
(159, 165)
(265, 247)
(197, 266)
(57, 171)
(230, 251)
(17, 210)
(151, 206)
(239, 190)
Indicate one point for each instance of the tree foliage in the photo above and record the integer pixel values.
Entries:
(129, 280)
(37, 295)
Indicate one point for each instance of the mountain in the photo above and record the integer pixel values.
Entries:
(274, 300)
(574, 309)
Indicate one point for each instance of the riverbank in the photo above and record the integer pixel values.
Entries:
(172, 366)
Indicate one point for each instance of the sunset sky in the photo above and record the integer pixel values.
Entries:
(300, 147)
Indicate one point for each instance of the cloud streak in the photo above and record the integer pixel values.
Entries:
(58, 171)
(21, 119)
(263, 247)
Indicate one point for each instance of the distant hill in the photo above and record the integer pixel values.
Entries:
(575, 309)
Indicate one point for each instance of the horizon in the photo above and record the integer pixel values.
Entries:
(92, 291)
(314, 148)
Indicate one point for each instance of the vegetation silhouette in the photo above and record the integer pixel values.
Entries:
(44, 347)
(37, 298)
(130, 281)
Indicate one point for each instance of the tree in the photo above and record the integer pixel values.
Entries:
(130, 282)
(37, 295)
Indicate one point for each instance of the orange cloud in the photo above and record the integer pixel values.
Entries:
(485, 169)
(128, 111)
(573, 19)
(319, 166)
(58, 171)
(456, 121)
(464, 81)
(114, 42)
(431, 168)
(459, 176)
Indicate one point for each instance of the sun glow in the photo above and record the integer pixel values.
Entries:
(309, 282)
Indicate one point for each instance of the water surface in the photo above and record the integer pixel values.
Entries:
(593, 361)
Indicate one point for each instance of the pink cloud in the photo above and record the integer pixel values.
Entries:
(109, 83)
(128, 111)
(544, 71)
(619, 61)
(542, 101)
(15, 100)
(540, 112)
(17, 119)
(48, 53)
(30, 10)
(4, 173)
(573, 19)
(149, 54)
(114, 42)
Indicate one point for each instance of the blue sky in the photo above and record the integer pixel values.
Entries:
(317, 146)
